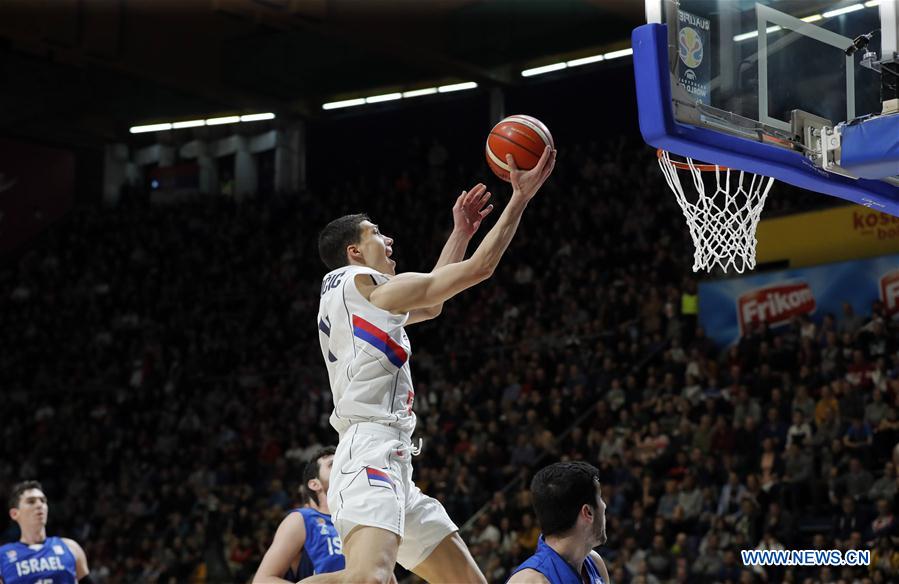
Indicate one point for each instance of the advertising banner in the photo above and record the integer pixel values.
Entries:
(728, 308)
(823, 237)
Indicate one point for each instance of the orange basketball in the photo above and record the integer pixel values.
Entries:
(524, 137)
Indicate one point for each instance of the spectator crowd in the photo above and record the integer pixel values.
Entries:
(162, 378)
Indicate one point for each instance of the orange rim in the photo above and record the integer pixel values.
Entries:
(685, 166)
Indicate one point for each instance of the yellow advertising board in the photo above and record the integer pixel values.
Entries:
(832, 235)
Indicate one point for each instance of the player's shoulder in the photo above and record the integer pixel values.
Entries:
(600, 565)
(71, 543)
(73, 546)
(293, 526)
(313, 518)
(370, 277)
(352, 271)
(528, 576)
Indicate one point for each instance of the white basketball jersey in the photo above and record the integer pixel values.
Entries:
(367, 353)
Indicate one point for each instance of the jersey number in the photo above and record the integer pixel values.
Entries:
(335, 546)
(324, 325)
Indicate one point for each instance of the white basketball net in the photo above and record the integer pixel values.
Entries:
(722, 224)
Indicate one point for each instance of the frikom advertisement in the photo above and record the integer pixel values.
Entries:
(728, 308)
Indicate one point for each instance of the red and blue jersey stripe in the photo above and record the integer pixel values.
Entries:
(380, 340)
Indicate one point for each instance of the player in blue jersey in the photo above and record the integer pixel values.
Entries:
(36, 558)
(569, 507)
(306, 542)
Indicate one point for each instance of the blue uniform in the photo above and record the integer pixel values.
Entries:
(323, 550)
(555, 569)
(51, 563)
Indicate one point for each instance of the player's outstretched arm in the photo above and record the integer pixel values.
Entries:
(286, 547)
(82, 570)
(469, 212)
(411, 291)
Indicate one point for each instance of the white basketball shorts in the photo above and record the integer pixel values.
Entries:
(371, 485)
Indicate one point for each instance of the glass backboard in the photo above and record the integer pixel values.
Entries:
(762, 59)
(804, 91)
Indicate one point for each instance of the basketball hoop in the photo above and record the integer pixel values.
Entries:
(722, 223)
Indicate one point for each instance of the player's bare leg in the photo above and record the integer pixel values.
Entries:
(450, 562)
(370, 558)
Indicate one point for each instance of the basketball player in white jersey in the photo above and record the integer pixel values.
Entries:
(381, 516)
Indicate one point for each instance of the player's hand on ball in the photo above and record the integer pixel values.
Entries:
(526, 183)
(470, 209)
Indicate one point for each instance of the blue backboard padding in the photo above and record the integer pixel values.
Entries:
(661, 130)
(870, 148)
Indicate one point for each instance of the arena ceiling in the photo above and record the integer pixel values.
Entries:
(86, 70)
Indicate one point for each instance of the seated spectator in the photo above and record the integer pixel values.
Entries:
(702, 435)
(710, 560)
(858, 438)
(876, 410)
(669, 501)
(748, 521)
(722, 440)
(744, 407)
(827, 405)
(827, 430)
(769, 542)
(798, 470)
(884, 525)
(771, 465)
(653, 444)
(730, 569)
(800, 431)
(886, 434)
(779, 523)
(689, 499)
(659, 560)
(529, 532)
(885, 486)
(487, 533)
(849, 519)
(885, 558)
(804, 403)
(774, 429)
(857, 482)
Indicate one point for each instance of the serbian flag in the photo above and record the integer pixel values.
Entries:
(378, 478)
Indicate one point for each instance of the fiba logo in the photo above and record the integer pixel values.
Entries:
(689, 47)
(690, 75)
